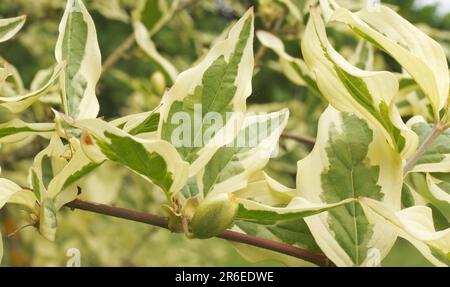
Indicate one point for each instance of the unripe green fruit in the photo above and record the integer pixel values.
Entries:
(214, 215)
(158, 83)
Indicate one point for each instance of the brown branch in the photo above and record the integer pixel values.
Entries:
(155, 220)
(301, 139)
(437, 130)
(117, 54)
(129, 42)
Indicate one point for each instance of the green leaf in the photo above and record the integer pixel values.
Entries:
(350, 160)
(219, 83)
(17, 130)
(77, 45)
(349, 89)
(10, 26)
(18, 104)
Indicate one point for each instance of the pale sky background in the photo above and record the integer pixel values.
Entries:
(444, 4)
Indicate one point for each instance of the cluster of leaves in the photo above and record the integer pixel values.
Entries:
(367, 181)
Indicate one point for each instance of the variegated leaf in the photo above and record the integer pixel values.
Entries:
(251, 210)
(77, 45)
(266, 190)
(438, 192)
(146, 44)
(16, 104)
(414, 224)
(46, 165)
(364, 56)
(294, 69)
(219, 83)
(48, 219)
(10, 26)
(421, 56)
(350, 89)
(155, 160)
(411, 101)
(17, 130)
(232, 165)
(143, 125)
(60, 187)
(349, 160)
(266, 199)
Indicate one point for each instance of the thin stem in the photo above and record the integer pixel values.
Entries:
(263, 49)
(129, 42)
(259, 55)
(301, 139)
(117, 54)
(155, 220)
(437, 130)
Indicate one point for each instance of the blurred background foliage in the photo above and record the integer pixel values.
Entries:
(133, 84)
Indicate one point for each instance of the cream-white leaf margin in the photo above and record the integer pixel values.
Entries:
(11, 26)
(17, 130)
(309, 186)
(298, 208)
(19, 103)
(437, 196)
(436, 191)
(266, 190)
(178, 167)
(55, 153)
(421, 56)
(294, 69)
(414, 224)
(323, 60)
(90, 66)
(146, 44)
(76, 163)
(188, 80)
(254, 159)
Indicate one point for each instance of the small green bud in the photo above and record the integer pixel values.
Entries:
(158, 83)
(214, 215)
